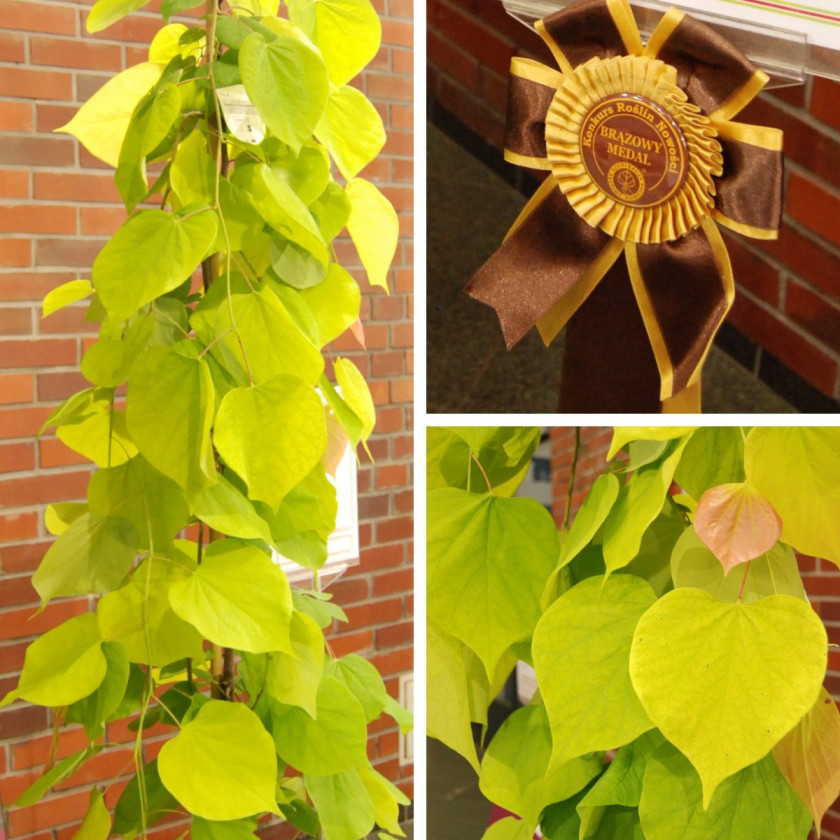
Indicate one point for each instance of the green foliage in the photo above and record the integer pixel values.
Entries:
(699, 662)
(215, 429)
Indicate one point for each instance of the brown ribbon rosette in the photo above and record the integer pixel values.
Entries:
(644, 164)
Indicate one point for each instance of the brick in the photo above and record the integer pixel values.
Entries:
(17, 526)
(43, 487)
(68, 186)
(471, 34)
(101, 220)
(37, 17)
(48, 813)
(374, 507)
(394, 662)
(35, 84)
(387, 364)
(16, 253)
(752, 272)
(360, 642)
(383, 556)
(350, 590)
(394, 529)
(16, 116)
(43, 352)
(49, 117)
(807, 257)
(395, 635)
(390, 583)
(402, 447)
(23, 557)
(12, 49)
(53, 453)
(814, 313)
(22, 720)
(67, 252)
(16, 321)
(60, 385)
(65, 52)
(402, 390)
(37, 151)
(402, 117)
(12, 656)
(104, 767)
(68, 321)
(825, 95)
(815, 207)
(23, 623)
(389, 420)
(30, 285)
(399, 143)
(22, 422)
(16, 388)
(402, 335)
(404, 502)
(397, 32)
(14, 183)
(42, 218)
(18, 591)
(16, 457)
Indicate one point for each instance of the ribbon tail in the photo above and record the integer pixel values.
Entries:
(546, 253)
(749, 192)
(557, 317)
(684, 290)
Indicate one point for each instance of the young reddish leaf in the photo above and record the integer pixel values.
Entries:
(737, 523)
(809, 757)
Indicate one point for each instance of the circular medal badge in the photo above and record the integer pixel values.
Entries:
(631, 154)
(633, 150)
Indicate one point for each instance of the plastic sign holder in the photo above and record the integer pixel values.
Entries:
(787, 55)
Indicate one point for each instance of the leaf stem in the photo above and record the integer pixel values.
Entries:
(481, 470)
(567, 513)
(744, 581)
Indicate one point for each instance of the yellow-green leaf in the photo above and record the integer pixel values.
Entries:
(725, 682)
(356, 394)
(106, 12)
(101, 123)
(347, 32)
(374, 228)
(272, 435)
(351, 129)
(97, 822)
(622, 435)
(222, 764)
(65, 294)
(809, 757)
(63, 665)
(796, 468)
(590, 700)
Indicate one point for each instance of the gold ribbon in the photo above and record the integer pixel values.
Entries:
(644, 164)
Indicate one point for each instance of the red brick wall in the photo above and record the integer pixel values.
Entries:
(820, 577)
(788, 301)
(57, 206)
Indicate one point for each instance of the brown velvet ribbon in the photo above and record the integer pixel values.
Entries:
(609, 350)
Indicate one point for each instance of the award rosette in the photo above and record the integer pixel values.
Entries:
(644, 163)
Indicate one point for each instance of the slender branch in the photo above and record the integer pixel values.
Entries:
(567, 513)
(481, 470)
